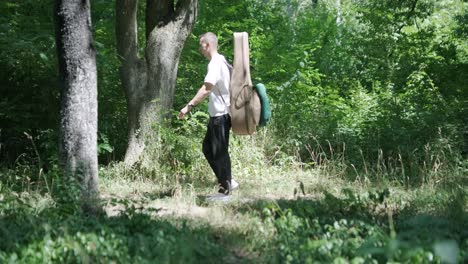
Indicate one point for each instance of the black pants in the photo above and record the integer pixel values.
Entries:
(215, 148)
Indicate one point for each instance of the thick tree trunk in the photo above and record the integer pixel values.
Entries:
(78, 76)
(149, 83)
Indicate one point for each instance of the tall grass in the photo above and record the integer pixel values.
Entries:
(430, 166)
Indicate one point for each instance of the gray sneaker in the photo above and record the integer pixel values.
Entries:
(218, 197)
(234, 184)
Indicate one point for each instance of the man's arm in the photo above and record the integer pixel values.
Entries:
(202, 93)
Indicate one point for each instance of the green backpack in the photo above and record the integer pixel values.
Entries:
(265, 110)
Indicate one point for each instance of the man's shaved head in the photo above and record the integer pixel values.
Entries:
(210, 37)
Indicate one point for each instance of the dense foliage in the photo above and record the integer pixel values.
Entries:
(379, 83)
(362, 92)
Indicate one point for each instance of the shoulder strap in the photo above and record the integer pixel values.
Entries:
(229, 66)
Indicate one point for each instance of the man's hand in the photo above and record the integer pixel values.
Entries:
(203, 92)
(185, 111)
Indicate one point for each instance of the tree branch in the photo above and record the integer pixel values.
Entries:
(184, 6)
(158, 13)
(186, 13)
(126, 29)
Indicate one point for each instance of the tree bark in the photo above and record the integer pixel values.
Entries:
(149, 82)
(78, 92)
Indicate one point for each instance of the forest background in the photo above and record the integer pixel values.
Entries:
(368, 92)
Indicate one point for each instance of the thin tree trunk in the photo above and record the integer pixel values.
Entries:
(149, 82)
(338, 12)
(78, 80)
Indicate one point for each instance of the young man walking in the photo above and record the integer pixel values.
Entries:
(216, 141)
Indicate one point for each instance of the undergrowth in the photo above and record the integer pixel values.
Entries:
(285, 211)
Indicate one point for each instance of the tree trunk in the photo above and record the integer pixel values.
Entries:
(78, 91)
(149, 82)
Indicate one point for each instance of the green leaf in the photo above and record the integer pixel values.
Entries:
(99, 44)
(43, 57)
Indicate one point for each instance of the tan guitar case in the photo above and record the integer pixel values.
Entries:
(245, 103)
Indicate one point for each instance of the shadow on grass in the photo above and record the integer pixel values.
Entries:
(385, 234)
(131, 237)
(166, 193)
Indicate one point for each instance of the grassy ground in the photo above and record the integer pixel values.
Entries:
(278, 215)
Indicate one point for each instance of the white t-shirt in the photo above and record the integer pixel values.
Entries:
(218, 75)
